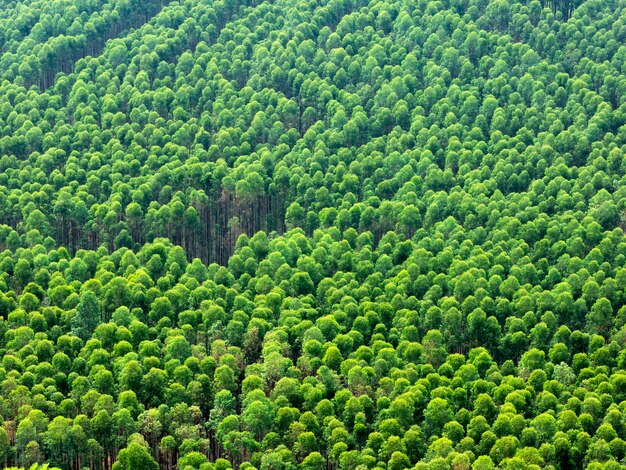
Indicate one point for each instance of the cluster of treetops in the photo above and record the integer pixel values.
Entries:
(317, 235)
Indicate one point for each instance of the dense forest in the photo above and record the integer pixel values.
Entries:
(312, 234)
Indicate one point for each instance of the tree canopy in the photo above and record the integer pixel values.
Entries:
(319, 235)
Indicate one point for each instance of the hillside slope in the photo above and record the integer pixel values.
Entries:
(317, 234)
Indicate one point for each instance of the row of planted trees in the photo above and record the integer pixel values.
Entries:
(359, 111)
(311, 353)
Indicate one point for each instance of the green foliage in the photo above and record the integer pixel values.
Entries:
(135, 457)
(34, 467)
(312, 234)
